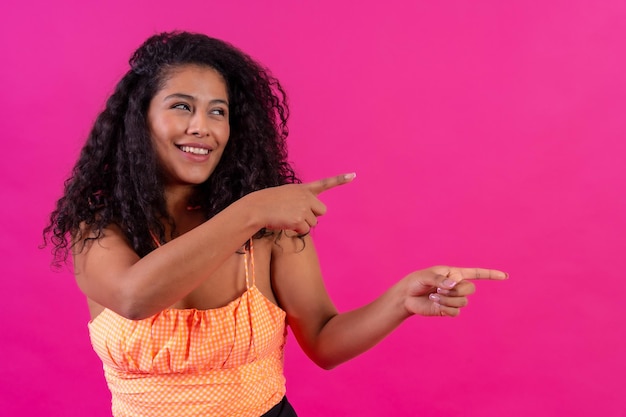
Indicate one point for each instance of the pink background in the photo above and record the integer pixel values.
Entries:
(484, 133)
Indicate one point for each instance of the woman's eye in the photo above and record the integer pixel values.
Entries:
(219, 112)
(181, 106)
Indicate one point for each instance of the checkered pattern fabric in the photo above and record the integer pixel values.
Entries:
(220, 362)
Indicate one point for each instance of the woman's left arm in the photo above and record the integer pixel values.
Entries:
(330, 338)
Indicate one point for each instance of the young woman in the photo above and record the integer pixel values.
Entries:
(189, 235)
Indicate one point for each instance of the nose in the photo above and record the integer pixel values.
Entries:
(198, 125)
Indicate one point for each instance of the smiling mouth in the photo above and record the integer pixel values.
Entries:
(194, 150)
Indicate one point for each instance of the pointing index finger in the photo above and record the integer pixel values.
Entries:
(477, 273)
(322, 185)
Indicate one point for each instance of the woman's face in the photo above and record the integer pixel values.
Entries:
(188, 123)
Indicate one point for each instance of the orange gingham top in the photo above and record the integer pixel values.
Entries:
(226, 361)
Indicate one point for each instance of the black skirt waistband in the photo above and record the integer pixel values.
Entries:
(282, 409)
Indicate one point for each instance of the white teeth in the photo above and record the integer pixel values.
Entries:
(196, 151)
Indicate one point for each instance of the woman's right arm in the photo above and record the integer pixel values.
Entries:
(110, 273)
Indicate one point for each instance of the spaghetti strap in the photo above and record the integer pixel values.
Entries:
(250, 277)
(154, 239)
(241, 347)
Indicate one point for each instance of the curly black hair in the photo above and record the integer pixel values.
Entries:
(117, 179)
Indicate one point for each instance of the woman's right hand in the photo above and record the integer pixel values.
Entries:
(293, 206)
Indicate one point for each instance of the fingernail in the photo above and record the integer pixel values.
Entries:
(434, 298)
(442, 291)
(350, 176)
(506, 275)
(448, 283)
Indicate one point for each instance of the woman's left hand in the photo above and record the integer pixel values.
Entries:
(443, 290)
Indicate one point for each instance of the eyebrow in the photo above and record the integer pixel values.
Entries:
(192, 98)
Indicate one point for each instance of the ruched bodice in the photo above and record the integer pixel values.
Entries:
(226, 361)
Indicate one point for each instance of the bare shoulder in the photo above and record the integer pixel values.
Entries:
(296, 274)
(85, 236)
(90, 247)
(289, 243)
(294, 260)
(99, 261)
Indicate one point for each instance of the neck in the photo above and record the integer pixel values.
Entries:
(177, 200)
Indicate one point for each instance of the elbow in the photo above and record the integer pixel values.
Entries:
(137, 311)
(325, 363)
(131, 307)
(327, 366)
(131, 312)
